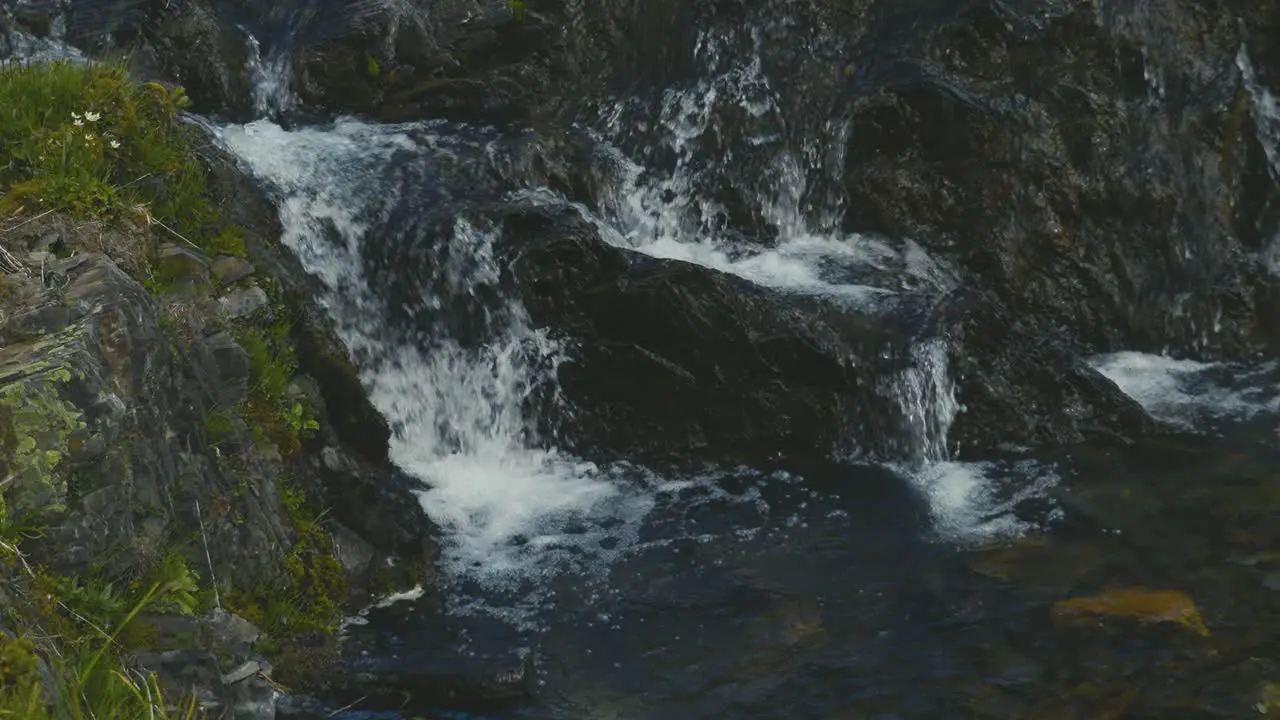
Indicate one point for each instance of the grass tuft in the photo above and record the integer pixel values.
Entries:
(86, 139)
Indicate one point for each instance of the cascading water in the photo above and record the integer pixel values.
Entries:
(272, 95)
(672, 214)
(732, 593)
(512, 511)
(513, 508)
(1266, 113)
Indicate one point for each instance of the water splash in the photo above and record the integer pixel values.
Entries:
(514, 512)
(664, 200)
(927, 397)
(1190, 394)
(271, 77)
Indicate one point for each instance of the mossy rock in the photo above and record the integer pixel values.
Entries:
(38, 431)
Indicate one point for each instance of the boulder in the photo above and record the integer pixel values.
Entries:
(669, 359)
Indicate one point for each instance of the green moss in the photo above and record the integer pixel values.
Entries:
(218, 426)
(37, 430)
(272, 416)
(88, 140)
(307, 597)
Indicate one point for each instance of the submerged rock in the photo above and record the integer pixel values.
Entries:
(1143, 605)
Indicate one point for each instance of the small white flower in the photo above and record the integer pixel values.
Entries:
(115, 144)
(88, 137)
(93, 116)
(75, 116)
(77, 122)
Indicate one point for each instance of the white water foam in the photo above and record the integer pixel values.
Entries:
(970, 502)
(457, 411)
(1189, 393)
(668, 215)
(975, 502)
(513, 513)
(665, 215)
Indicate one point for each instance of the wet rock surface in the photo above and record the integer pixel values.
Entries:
(1098, 175)
(676, 359)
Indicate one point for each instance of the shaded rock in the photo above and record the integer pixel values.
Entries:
(242, 694)
(186, 673)
(228, 269)
(228, 634)
(356, 555)
(243, 303)
(241, 672)
(184, 270)
(98, 396)
(1095, 170)
(668, 358)
(470, 61)
(233, 367)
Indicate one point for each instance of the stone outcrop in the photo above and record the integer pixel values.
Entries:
(122, 440)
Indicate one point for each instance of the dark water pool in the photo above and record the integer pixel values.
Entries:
(840, 602)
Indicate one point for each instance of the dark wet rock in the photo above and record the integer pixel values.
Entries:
(1003, 368)
(672, 358)
(464, 60)
(190, 43)
(1095, 170)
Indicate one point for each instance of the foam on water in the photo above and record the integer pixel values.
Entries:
(669, 214)
(512, 511)
(970, 502)
(1189, 393)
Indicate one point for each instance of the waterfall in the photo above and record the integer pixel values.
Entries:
(514, 509)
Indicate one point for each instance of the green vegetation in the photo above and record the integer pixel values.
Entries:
(308, 597)
(273, 416)
(85, 140)
(88, 140)
(73, 668)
